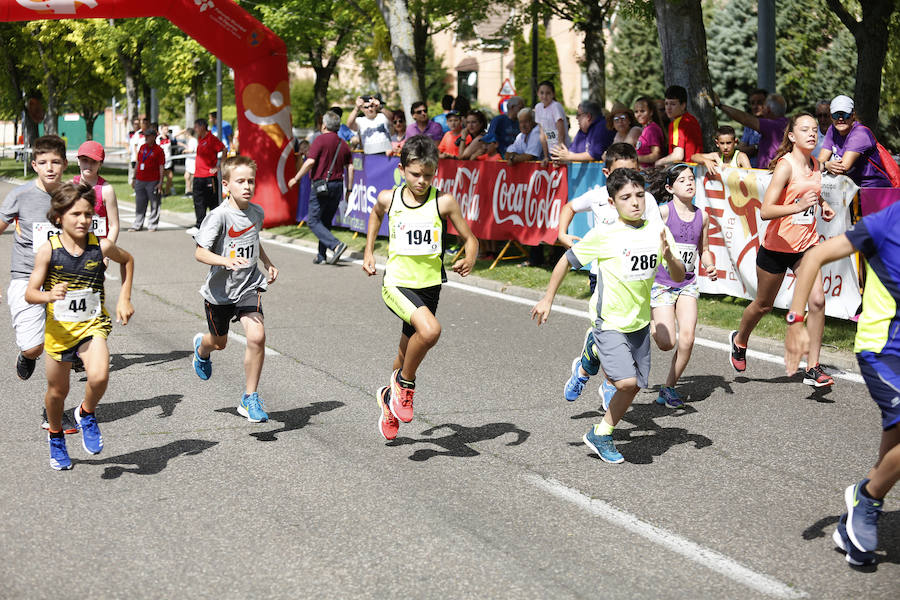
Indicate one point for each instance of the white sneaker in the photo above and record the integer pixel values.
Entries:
(192, 231)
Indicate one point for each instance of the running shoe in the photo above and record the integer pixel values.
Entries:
(68, 423)
(603, 446)
(862, 517)
(251, 407)
(817, 377)
(388, 425)
(25, 366)
(401, 399)
(202, 366)
(90, 432)
(738, 354)
(855, 556)
(607, 391)
(336, 253)
(59, 455)
(575, 384)
(192, 230)
(668, 395)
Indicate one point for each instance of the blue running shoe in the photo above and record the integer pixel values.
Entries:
(862, 517)
(575, 384)
(603, 446)
(668, 395)
(855, 556)
(251, 407)
(59, 456)
(607, 391)
(90, 432)
(202, 366)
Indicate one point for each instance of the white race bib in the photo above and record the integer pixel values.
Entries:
(77, 306)
(98, 226)
(41, 232)
(238, 249)
(417, 238)
(688, 255)
(807, 217)
(639, 263)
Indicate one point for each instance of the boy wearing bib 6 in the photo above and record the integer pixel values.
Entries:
(68, 276)
(415, 269)
(628, 252)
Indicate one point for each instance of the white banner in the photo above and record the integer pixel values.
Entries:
(733, 200)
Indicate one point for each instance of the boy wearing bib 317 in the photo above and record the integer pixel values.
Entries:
(628, 252)
(228, 241)
(415, 269)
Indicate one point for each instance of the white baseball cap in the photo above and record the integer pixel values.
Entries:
(842, 104)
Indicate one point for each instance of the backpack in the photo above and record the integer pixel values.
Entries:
(889, 169)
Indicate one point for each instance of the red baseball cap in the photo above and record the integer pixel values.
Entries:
(92, 150)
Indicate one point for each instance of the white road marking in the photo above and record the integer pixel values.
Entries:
(763, 356)
(704, 556)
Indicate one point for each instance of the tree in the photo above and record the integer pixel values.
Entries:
(548, 64)
(682, 38)
(396, 17)
(871, 35)
(890, 116)
(732, 51)
(635, 58)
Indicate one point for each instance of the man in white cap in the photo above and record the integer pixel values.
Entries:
(850, 148)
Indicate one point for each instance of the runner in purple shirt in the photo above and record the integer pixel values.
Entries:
(851, 148)
(421, 124)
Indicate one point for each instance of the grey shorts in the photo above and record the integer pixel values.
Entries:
(624, 355)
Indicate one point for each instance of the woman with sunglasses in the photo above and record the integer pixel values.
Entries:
(851, 149)
(790, 204)
(398, 132)
(622, 120)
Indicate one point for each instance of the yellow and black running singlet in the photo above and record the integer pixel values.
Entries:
(415, 247)
(81, 314)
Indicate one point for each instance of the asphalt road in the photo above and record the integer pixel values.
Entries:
(488, 493)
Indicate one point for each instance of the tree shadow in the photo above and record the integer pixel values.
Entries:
(888, 538)
(647, 438)
(150, 461)
(456, 444)
(291, 420)
(125, 360)
(113, 411)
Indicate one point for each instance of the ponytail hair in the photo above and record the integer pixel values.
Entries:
(787, 146)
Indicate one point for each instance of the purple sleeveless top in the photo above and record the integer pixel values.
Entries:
(687, 246)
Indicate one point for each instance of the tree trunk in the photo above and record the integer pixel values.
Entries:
(50, 85)
(320, 90)
(871, 35)
(190, 109)
(90, 117)
(595, 61)
(420, 45)
(146, 99)
(682, 38)
(127, 64)
(396, 16)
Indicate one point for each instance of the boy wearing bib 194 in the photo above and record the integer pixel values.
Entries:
(415, 269)
(228, 241)
(628, 252)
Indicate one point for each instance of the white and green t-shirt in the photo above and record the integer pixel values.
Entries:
(627, 258)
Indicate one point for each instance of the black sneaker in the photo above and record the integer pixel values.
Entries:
(68, 423)
(25, 366)
(336, 253)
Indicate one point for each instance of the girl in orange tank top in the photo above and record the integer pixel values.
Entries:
(790, 205)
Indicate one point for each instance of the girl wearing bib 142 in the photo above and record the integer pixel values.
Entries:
(789, 204)
(69, 273)
(415, 269)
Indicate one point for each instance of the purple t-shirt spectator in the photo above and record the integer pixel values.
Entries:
(859, 139)
(432, 130)
(651, 135)
(595, 141)
(771, 133)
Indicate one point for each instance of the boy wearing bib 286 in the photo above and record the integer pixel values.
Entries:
(415, 269)
(627, 252)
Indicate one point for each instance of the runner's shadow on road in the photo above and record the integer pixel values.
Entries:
(456, 444)
(888, 538)
(291, 420)
(123, 361)
(150, 461)
(647, 438)
(113, 411)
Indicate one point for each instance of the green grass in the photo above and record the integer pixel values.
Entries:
(118, 178)
(718, 311)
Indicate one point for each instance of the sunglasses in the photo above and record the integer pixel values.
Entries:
(840, 115)
(420, 111)
(620, 118)
(399, 121)
(367, 106)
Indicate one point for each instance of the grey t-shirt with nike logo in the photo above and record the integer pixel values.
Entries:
(231, 232)
(29, 204)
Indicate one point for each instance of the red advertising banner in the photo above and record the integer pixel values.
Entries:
(501, 201)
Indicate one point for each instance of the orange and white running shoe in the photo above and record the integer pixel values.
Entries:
(388, 425)
(401, 399)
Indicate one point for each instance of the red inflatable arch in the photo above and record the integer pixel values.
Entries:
(259, 60)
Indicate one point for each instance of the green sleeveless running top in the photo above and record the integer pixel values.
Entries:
(415, 248)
